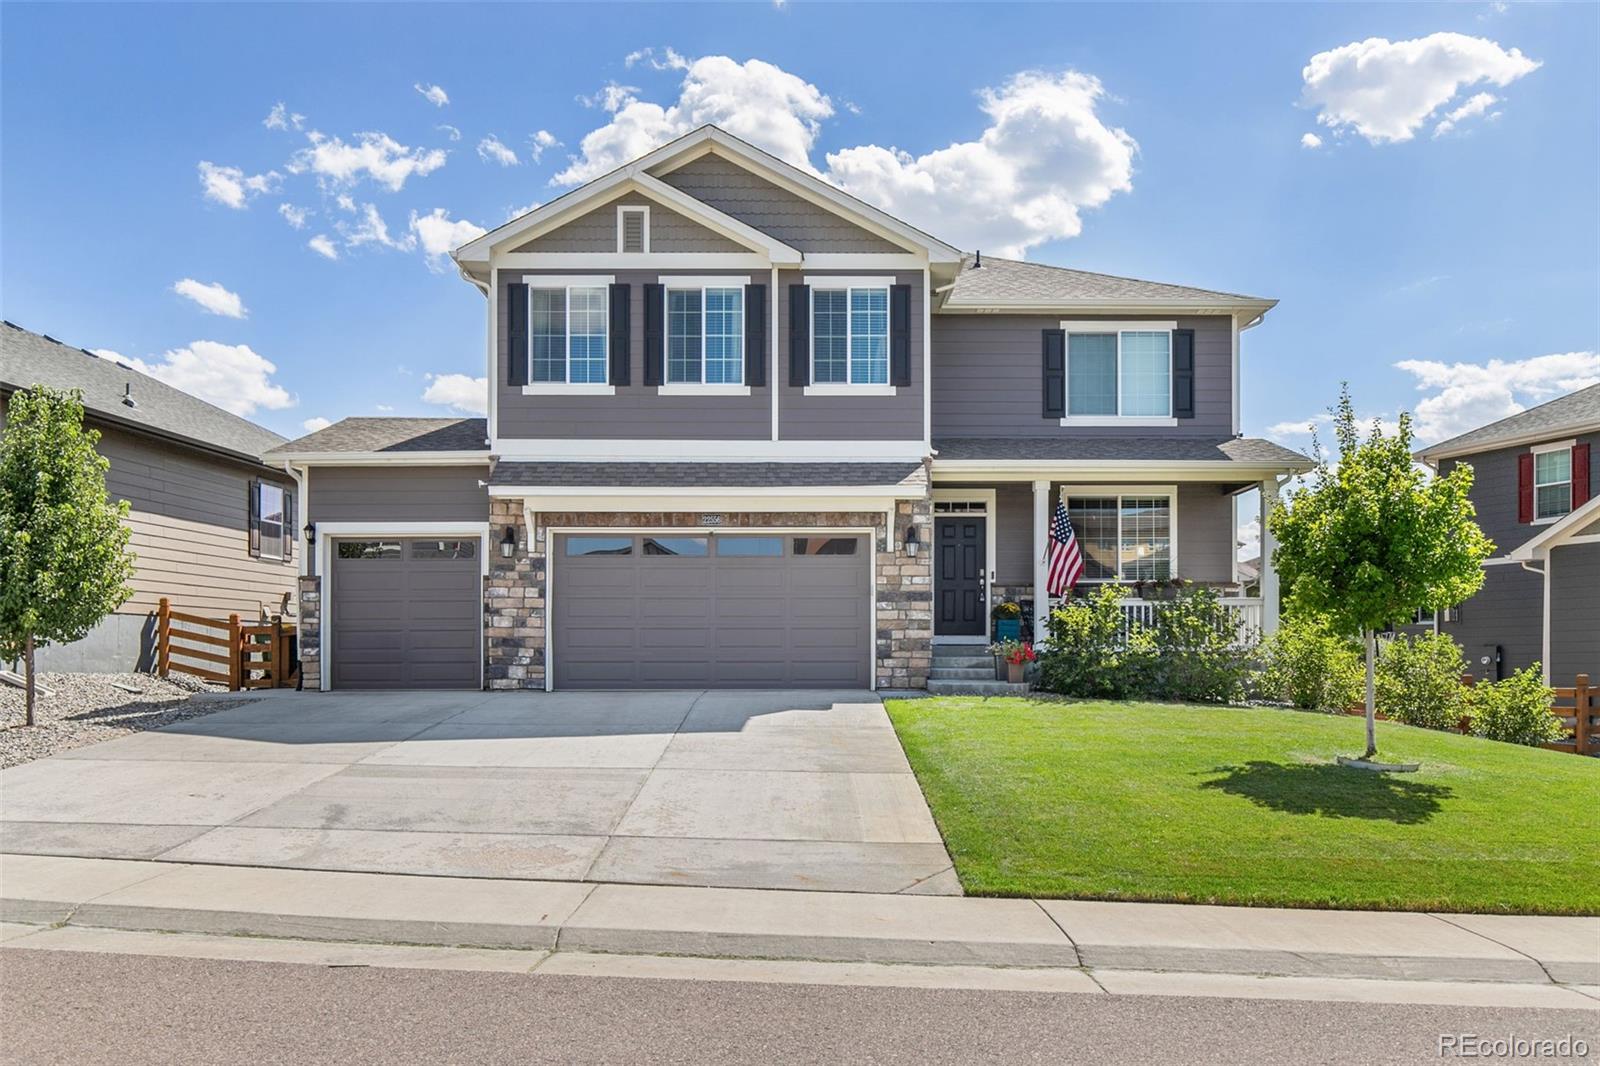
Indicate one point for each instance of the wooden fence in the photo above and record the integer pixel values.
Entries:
(225, 652)
(1578, 708)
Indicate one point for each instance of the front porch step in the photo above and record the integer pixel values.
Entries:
(963, 662)
(942, 672)
(937, 687)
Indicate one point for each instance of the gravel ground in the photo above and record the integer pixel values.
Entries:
(88, 708)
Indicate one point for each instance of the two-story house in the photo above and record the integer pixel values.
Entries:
(1538, 498)
(745, 429)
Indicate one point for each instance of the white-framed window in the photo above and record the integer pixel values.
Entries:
(633, 229)
(850, 332)
(1552, 483)
(705, 332)
(1119, 373)
(1125, 535)
(569, 322)
(271, 518)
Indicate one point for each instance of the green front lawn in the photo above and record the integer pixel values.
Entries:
(1039, 797)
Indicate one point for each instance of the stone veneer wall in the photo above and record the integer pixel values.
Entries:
(309, 633)
(516, 605)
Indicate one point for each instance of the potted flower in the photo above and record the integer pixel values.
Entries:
(1158, 589)
(1016, 654)
(1007, 621)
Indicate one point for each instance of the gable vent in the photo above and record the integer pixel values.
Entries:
(632, 234)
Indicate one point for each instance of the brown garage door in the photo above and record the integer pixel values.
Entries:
(728, 610)
(406, 613)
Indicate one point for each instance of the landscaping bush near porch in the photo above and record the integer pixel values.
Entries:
(1046, 797)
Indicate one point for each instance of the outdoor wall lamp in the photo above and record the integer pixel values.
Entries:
(913, 542)
(508, 543)
(311, 535)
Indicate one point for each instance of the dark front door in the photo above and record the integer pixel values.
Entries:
(958, 577)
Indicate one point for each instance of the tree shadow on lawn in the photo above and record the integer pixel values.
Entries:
(1332, 791)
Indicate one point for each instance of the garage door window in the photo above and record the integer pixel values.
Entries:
(369, 549)
(748, 547)
(825, 545)
(599, 545)
(444, 549)
(689, 547)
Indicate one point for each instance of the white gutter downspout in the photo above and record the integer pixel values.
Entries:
(1544, 650)
(300, 509)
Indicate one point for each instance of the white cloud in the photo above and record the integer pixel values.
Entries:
(378, 156)
(231, 186)
(281, 118)
(434, 94)
(1474, 107)
(438, 234)
(753, 100)
(518, 212)
(323, 246)
(1310, 140)
(311, 425)
(491, 150)
(449, 131)
(213, 297)
(1249, 540)
(1464, 396)
(346, 202)
(611, 97)
(1387, 90)
(383, 408)
(458, 392)
(669, 59)
(295, 216)
(539, 142)
(370, 228)
(231, 376)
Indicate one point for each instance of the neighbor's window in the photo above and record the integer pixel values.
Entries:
(567, 335)
(599, 545)
(693, 547)
(850, 336)
(1125, 374)
(1123, 538)
(444, 549)
(705, 336)
(369, 549)
(271, 512)
(1552, 483)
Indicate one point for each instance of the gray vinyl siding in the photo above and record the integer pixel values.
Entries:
(1494, 490)
(189, 517)
(812, 418)
(398, 494)
(759, 203)
(988, 377)
(1013, 533)
(636, 411)
(596, 231)
(1508, 611)
(1575, 613)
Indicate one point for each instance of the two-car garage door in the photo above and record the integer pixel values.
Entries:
(719, 610)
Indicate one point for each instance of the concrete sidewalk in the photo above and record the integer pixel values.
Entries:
(828, 926)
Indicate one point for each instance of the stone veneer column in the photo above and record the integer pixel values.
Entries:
(514, 603)
(905, 600)
(308, 633)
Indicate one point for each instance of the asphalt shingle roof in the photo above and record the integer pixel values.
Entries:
(1004, 282)
(28, 358)
(1251, 450)
(358, 435)
(705, 475)
(1564, 414)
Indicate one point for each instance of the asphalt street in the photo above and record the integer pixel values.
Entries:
(64, 1007)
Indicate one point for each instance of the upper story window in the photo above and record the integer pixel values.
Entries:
(849, 334)
(271, 521)
(705, 332)
(1124, 536)
(1552, 483)
(633, 229)
(1118, 373)
(567, 341)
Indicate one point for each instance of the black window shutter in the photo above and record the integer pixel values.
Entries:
(755, 336)
(253, 509)
(900, 335)
(288, 524)
(517, 356)
(621, 339)
(1183, 373)
(655, 332)
(799, 336)
(1055, 373)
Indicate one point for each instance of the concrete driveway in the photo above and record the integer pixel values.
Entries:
(795, 790)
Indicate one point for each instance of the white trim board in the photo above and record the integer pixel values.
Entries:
(710, 451)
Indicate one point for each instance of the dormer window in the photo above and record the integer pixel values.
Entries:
(633, 230)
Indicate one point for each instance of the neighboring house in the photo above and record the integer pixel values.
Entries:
(745, 429)
(213, 528)
(1538, 499)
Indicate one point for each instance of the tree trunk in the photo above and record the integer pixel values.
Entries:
(1372, 695)
(28, 699)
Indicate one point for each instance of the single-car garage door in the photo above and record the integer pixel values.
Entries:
(406, 613)
(725, 610)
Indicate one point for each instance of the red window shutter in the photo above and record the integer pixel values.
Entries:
(1580, 475)
(1525, 488)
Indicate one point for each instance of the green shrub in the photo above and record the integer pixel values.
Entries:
(1088, 656)
(1202, 652)
(1515, 710)
(1308, 666)
(1419, 681)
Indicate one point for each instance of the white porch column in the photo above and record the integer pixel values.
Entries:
(1269, 573)
(1041, 541)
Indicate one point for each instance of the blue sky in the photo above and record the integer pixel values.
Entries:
(1451, 269)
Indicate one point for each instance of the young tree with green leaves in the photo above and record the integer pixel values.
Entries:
(64, 559)
(1375, 539)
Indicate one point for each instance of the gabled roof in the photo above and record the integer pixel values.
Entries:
(1576, 412)
(1553, 535)
(1010, 284)
(28, 358)
(1244, 451)
(399, 436)
(640, 174)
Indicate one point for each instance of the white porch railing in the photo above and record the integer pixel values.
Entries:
(1246, 611)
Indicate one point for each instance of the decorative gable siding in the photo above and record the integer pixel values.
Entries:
(987, 378)
(759, 203)
(596, 231)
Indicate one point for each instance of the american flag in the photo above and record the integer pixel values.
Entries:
(1066, 562)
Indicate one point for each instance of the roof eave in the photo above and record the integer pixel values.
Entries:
(1254, 307)
(1178, 469)
(1447, 450)
(379, 458)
